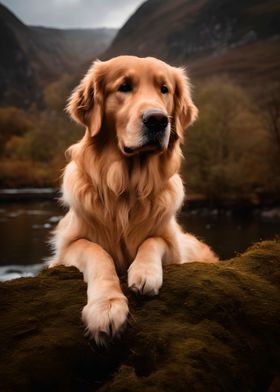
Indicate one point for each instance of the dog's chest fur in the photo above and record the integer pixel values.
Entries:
(120, 223)
(125, 222)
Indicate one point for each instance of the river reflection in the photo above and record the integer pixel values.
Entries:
(25, 228)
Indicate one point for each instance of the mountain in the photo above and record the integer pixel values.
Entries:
(31, 56)
(211, 36)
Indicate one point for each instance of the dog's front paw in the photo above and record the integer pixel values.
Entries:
(145, 278)
(53, 263)
(105, 318)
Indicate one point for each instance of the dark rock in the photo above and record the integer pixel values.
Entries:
(212, 328)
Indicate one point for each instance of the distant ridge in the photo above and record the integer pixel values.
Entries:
(31, 56)
(212, 36)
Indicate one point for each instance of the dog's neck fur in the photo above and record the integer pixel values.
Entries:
(110, 172)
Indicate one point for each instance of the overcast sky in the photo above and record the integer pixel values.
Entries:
(73, 13)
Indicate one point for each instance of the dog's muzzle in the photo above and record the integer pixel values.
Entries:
(155, 131)
(155, 124)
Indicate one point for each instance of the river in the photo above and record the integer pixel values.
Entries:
(25, 227)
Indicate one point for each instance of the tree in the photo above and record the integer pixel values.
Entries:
(57, 92)
(271, 112)
(224, 150)
(13, 122)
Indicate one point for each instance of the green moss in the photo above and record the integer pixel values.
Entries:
(213, 327)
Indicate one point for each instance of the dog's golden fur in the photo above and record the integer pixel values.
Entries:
(122, 207)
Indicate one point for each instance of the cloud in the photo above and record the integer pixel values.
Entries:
(73, 13)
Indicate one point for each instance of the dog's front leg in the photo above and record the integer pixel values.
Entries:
(106, 311)
(145, 273)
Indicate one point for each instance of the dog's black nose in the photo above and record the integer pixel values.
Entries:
(155, 119)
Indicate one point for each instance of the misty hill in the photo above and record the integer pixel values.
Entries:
(211, 36)
(31, 57)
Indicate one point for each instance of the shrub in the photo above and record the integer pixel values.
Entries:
(225, 149)
(13, 121)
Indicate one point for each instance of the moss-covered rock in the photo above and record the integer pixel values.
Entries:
(212, 328)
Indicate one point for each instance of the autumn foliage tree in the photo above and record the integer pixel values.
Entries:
(32, 143)
(269, 107)
(13, 122)
(226, 149)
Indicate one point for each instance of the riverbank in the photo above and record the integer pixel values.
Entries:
(19, 194)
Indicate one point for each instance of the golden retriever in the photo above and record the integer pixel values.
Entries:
(122, 185)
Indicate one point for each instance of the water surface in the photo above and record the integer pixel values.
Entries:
(25, 228)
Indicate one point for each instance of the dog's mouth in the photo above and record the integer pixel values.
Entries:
(149, 147)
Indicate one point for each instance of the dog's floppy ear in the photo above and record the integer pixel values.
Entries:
(185, 112)
(85, 102)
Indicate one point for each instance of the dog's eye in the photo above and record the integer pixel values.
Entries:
(164, 89)
(125, 87)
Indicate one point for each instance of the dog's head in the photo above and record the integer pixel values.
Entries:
(141, 103)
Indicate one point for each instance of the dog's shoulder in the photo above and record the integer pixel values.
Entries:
(74, 185)
(172, 196)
